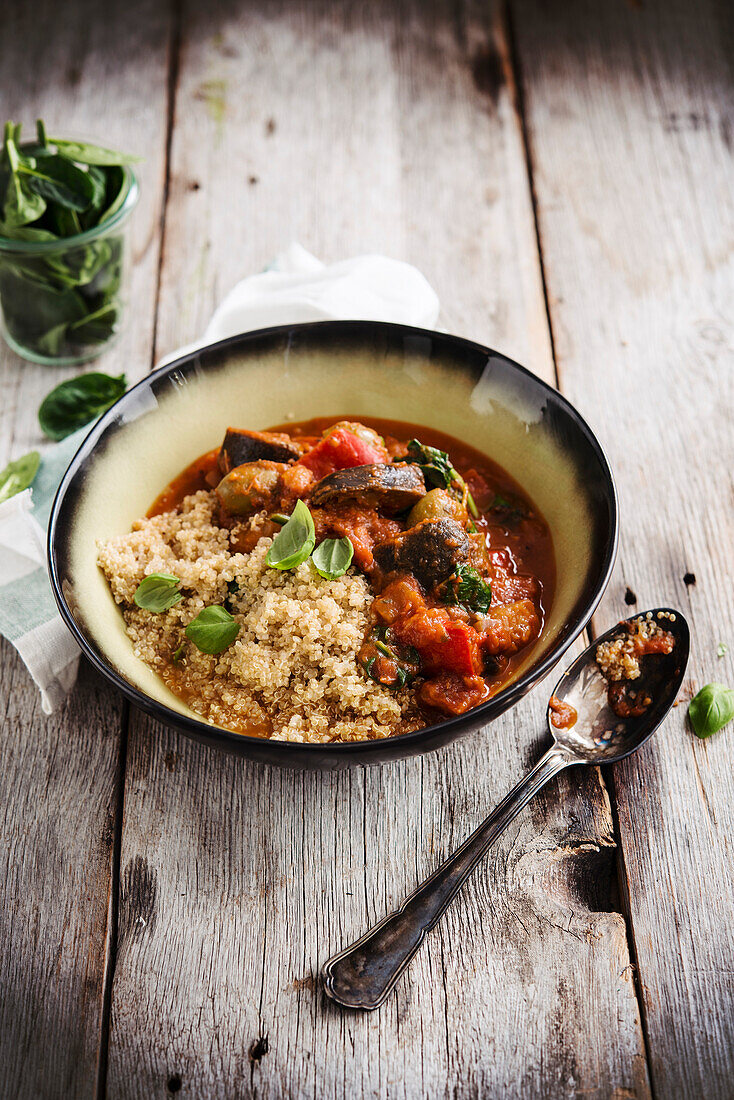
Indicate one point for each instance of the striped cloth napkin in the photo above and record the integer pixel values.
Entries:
(296, 287)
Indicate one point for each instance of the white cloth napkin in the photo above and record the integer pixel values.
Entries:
(296, 287)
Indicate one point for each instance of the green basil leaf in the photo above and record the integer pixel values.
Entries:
(711, 709)
(18, 475)
(74, 403)
(332, 558)
(157, 592)
(722, 649)
(84, 153)
(294, 542)
(213, 630)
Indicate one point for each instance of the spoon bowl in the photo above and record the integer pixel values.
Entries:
(599, 736)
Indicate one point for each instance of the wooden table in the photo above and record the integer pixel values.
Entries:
(562, 173)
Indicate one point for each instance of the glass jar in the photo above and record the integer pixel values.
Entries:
(63, 301)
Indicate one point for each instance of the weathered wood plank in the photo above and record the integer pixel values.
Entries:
(629, 114)
(106, 78)
(390, 128)
(57, 799)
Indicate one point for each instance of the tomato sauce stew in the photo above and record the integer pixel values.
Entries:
(458, 558)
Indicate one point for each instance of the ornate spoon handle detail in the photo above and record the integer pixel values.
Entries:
(362, 975)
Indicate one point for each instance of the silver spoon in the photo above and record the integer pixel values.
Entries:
(362, 975)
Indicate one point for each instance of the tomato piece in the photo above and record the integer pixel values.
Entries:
(454, 694)
(444, 644)
(339, 450)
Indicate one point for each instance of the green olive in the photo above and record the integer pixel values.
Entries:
(438, 504)
(248, 488)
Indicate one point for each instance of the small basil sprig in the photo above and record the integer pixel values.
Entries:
(157, 592)
(18, 475)
(711, 709)
(438, 469)
(332, 558)
(213, 630)
(74, 403)
(466, 587)
(294, 542)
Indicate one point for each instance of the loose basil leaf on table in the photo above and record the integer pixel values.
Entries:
(332, 558)
(295, 540)
(18, 475)
(711, 709)
(75, 402)
(157, 592)
(213, 630)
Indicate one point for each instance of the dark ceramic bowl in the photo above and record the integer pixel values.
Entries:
(331, 368)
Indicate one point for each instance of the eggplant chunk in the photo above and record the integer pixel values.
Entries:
(249, 487)
(240, 447)
(389, 489)
(430, 551)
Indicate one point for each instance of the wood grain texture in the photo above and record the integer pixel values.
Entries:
(57, 801)
(355, 127)
(629, 115)
(105, 77)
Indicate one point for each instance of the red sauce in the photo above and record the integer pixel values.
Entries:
(562, 715)
(461, 658)
(202, 473)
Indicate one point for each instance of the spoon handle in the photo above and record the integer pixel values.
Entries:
(362, 975)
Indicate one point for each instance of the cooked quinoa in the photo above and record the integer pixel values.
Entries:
(292, 672)
(619, 658)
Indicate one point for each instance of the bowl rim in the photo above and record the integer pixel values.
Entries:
(450, 727)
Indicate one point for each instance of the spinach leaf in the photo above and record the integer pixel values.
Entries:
(213, 630)
(60, 181)
(115, 193)
(332, 558)
(63, 302)
(438, 470)
(294, 542)
(18, 475)
(20, 204)
(75, 402)
(510, 511)
(711, 709)
(32, 306)
(467, 588)
(157, 592)
(84, 153)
